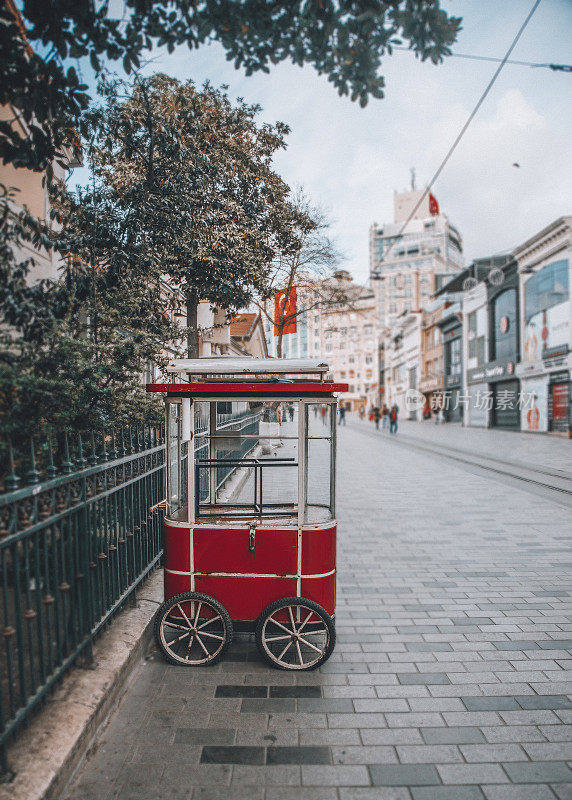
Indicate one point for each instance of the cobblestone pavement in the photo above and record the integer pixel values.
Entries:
(450, 679)
(532, 449)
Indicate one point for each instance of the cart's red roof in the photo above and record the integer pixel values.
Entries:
(232, 387)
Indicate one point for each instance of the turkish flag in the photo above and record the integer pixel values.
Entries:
(433, 205)
(285, 310)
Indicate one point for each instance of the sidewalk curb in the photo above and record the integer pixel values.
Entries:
(45, 757)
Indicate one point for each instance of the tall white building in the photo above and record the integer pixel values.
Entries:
(408, 264)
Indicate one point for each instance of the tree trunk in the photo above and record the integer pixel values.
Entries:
(279, 342)
(192, 325)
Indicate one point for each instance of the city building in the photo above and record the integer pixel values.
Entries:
(336, 321)
(544, 264)
(504, 344)
(431, 380)
(480, 344)
(247, 335)
(348, 341)
(29, 189)
(451, 324)
(402, 361)
(411, 260)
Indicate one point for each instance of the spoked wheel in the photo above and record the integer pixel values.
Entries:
(295, 634)
(193, 629)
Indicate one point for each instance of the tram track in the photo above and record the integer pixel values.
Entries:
(553, 480)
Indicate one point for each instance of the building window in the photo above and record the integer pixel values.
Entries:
(545, 289)
(504, 338)
(328, 348)
(368, 358)
(472, 324)
(351, 359)
(546, 308)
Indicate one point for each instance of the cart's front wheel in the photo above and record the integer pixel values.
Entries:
(193, 629)
(295, 634)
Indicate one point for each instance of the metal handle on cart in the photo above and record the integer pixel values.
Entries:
(251, 535)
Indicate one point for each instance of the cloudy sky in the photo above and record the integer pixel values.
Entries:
(350, 160)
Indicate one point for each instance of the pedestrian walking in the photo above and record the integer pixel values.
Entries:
(361, 412)
(323, 412)
(376, 417)
(342, 416)
(393, 415)
(291, 412)
(384, 417)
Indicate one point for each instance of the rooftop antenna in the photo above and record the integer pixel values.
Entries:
(412, 179)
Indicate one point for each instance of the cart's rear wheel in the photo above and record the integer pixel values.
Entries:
(295, 634)
(193, 629)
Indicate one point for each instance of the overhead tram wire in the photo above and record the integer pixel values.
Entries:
(472, 57)
(466, 125)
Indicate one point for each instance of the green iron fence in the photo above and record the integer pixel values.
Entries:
(79, 531)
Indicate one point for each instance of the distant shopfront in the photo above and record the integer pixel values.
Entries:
(504, 351)
(494, 393)
(545, 371)
(452, 331)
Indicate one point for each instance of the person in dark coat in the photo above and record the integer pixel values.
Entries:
(393, 416)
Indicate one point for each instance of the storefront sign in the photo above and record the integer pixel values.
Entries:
(555, 352)
(494, 371)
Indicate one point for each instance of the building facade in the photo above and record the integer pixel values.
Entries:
(403, 362)
(247, 335)
(407, 265)
(475, 346)
(344, 333)
(504, 347)
(348, 341)
(544, 264)
(431, 381)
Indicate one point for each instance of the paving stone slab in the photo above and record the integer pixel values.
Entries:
(539, 772)
(404, 775)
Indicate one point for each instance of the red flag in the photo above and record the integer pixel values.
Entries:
(288, 315)
(433, 206)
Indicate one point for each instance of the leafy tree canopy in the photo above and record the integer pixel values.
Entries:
(190, 176)
(343, 39)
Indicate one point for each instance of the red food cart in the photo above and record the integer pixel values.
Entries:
(250, 527)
